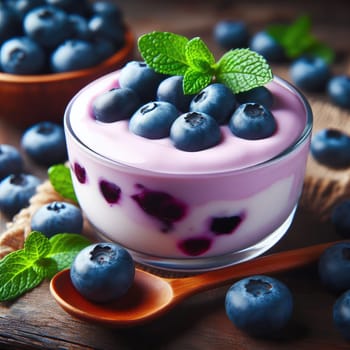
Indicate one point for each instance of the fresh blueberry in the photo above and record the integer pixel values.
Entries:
(338, 89)
(217, 100)
(73, 54)
(331, 147)
(108, 28)
(103, 272)
(171, 90)
(22, 55)
(107, 9)
(15, 192)
(57, 217)
(231, 34)
(115, 104)
(22, 7)
(137, 75)
(47, 25)
(252, 121)
(310, 73)
(195, 131)
(153, 120)
(265, 45)
(104, 48)
(341, 315)
(259, 305)
(334, 267)
(71, 6)
(10, 25)
(11, 161)
(260, 95)
(45, 143)
(340, 218)
(80, 28)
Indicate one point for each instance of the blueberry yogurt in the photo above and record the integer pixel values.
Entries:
(213, 201)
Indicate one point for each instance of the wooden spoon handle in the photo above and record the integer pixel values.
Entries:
(268, 264)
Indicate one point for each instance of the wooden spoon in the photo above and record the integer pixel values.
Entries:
(152, 295)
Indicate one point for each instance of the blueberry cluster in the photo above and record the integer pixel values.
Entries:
(44, 144)
(308, 72)
(52, 36)
(156, 107)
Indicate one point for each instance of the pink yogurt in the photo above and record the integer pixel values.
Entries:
(188, 210)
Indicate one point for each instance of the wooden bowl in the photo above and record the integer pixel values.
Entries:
(28, 99)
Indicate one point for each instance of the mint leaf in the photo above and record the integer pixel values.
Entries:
(319, 49)
(164, 52)
(36, 246)
(297, 39)
(199, 56)
(64, 248)
(61, 180)
(194, 81)
(41, 258)
(170, 53)
(17, 275)
(242, 70)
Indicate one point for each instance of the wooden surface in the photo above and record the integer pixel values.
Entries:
(35, 321)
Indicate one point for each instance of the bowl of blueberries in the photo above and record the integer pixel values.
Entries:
(49, 49)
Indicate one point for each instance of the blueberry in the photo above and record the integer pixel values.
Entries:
(259, 305)
(252, 121)
(104, 48)
(195, 131)
(334, 267)
(137, 75)
(15, 192)
(22, 7)
(331, 147)
(231, 34)
(340, 218)
(107, 9)
(217, 100)
(45, 143)
(310, 73)
(10, 25)
(70, 6)
(265, 45)
(22, 55)
(115, 104)
(171, 90)
(108, 28)
(260, 95)
(73, 54)
(338, 89)
(341, 314)
(57, 217)
(11, 161)
(153, 120)
(80, 28)
(47, 25)
(103, 272)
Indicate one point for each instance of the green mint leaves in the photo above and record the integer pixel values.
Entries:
(297, 39)
(40, 258)
(172, 54)
(61, 181)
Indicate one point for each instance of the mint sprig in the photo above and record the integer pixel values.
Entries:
(40, 258)
(61, 180)
(173, 54)
(297, 39)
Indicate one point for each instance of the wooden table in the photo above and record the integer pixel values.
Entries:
(35, 321)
